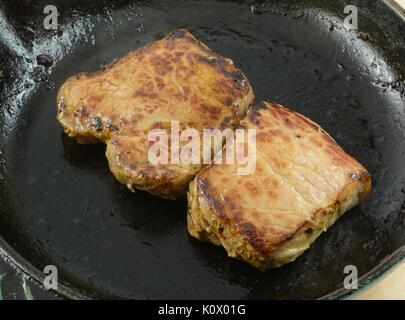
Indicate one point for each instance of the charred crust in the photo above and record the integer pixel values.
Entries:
(288, 116)
(227, 69)
(204, 186)
(353, 176)
(308, 122)
(277, 106)
(363, 176)
(251, 233)
(80, 75)
(145, 94)
(240, 84)
(316, 212)
(261, 245)
(83, 111)
(253, 114)
(97, 124)
(248, 229)
(226, 122)
(60, 106)
(329, 139)
(289, 236)
(228, 101)
(179, 33)
(111, 64)
(144, 172)
(259, 106)
(210, 109)
(238, 76)
(207, 60)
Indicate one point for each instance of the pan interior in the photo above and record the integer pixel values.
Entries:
(60, 204)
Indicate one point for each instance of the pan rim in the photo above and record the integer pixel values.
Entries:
(395, 7)
(370, 277)
(18, 262)
(13, 258)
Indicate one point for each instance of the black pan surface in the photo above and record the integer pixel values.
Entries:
(60, 205)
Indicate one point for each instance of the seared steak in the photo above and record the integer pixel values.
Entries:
(175, 79)
(303, 182)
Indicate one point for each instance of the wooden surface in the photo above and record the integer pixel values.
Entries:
(401, 3)
(398, 5)
(391, 286)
